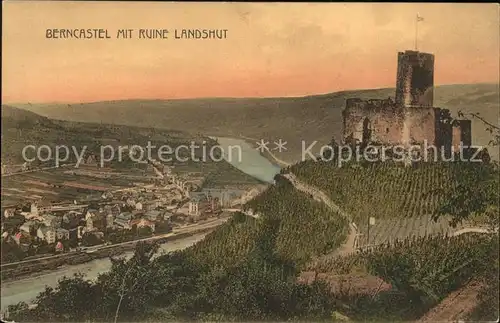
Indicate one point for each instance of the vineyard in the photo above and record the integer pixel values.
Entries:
(433, 265)
(228, 244)
(49, 184)
(306, 228)
(387, 230)
(381, 190)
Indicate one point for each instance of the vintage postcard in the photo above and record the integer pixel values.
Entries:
(218, 161)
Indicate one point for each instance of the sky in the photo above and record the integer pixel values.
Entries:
(271, 49)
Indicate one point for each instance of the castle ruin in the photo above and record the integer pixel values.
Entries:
(410, 119)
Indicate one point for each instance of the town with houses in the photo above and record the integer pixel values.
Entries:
(168, 201)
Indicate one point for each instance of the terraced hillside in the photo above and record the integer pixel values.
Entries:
(436, 250)
(422, 271)
(380, 190)
(304, 228)
(401, 199)
(413, 274)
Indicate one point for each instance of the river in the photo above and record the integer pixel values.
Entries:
(250, 161)
(26, 289)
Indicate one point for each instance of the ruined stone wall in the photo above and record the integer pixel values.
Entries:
(420, 126)
(443, 127)
(382, 118)
(465, 131)
(388, 124)
(456, 136)
(461, 134)
(353, 117)
(451, 132)
(387, 128)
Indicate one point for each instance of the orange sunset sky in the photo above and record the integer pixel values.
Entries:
(272, 49)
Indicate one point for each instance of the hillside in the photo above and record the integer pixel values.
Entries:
(423, 271)
(246, 270)
(406, 191)
(304, 228)
(21, 128)
(248, 267)
(294, 119)
(402, 199)
(12, 117)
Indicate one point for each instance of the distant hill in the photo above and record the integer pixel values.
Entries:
(21, 128)
(12, 116)
(294, 119)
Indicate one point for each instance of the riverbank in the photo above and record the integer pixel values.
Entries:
(252, 142)
(266, 153)
(248, 159)
(26, 289)
(20, 270)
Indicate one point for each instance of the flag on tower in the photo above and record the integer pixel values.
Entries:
(416, 29)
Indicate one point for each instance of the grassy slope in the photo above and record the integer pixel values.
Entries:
(293, 119)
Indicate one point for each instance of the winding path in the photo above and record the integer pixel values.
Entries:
(349, 246)
(455, 306)
(473, 230)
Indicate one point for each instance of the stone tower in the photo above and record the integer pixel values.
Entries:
(415, 79)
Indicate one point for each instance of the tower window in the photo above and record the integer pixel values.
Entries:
(386, 130)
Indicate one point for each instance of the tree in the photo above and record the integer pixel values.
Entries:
(13, 223)
(69, 301)
(477, 189)
(18, 312)
(90, 239)
(163, 227)
(494, 130)
(126, 285)
(476, 193)
(10, 251)
(134, 231)
(145, 231)
(332, 153)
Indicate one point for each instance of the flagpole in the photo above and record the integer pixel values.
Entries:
(416, 33)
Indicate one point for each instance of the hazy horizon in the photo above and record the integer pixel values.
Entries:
(233, 97)
(272, 49)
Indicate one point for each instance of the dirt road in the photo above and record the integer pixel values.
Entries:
(456, 306)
